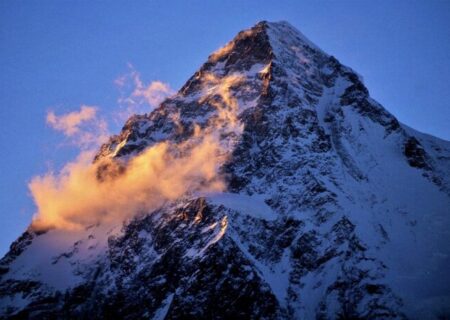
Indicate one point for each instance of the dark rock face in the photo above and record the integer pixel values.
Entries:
(313, 224)
(16, 248)
(192, 248)
(415, 154)
(143, 277)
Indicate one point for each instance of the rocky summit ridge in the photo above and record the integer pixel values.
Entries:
(332, 208)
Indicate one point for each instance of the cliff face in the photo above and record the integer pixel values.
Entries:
(332, 208)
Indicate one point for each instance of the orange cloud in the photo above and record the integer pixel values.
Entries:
(111, 190)
(154, 93)
(77, 197)
(70, 123)
(138, 97)
(227, 107)
(83, 127)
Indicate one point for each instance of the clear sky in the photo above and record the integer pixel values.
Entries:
(58, 55)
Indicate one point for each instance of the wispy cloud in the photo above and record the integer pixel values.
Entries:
(111, 190)
(153, 93)
(83, 127)
(71, 122)
(138, 97)
(76, 197)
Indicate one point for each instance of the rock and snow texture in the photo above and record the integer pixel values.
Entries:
(333, 209)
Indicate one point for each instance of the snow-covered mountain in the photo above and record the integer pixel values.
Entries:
(332, 208)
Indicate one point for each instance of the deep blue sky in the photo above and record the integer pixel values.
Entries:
(61, 54)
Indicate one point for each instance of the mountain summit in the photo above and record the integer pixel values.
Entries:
(328, 207)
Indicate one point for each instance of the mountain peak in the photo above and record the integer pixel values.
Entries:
(247, 47)
(263, 42)
(262, 55)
